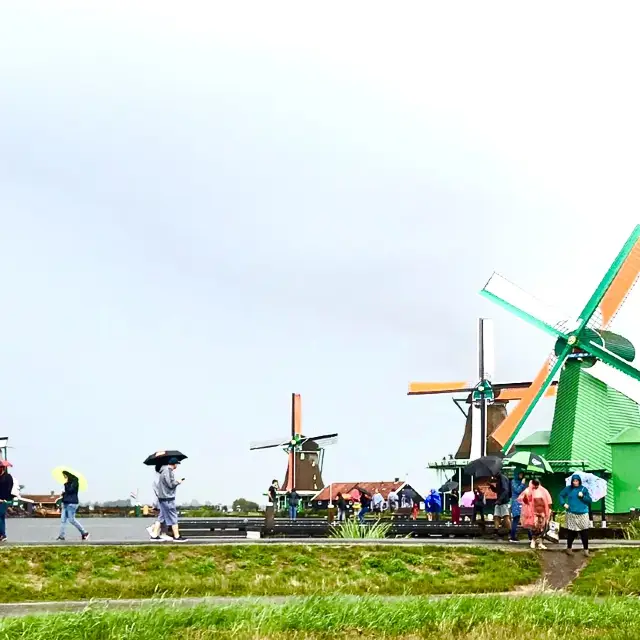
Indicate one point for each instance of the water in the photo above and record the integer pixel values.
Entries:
(101, 529)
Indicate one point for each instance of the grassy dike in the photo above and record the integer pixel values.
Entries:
(84, 573)
(480, 618)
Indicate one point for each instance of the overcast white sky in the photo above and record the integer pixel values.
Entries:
(207, 206)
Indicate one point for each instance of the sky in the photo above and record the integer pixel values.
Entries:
(207, 207)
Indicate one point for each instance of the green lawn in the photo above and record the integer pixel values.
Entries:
(341, 618)
(610, 572)
(78, 573)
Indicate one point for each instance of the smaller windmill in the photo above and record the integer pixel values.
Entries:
(306, 454)
(488, 399)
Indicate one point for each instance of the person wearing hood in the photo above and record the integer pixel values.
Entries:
(433, 505)
(536, 511)
(518, 485)
(576, 500)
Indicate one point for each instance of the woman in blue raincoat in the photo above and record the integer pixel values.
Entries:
(433, 505)
(518, 485)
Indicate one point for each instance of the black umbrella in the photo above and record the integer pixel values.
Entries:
(163, 457)
(484, 467)
(448, 486)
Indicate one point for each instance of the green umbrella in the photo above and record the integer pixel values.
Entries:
(532, 462)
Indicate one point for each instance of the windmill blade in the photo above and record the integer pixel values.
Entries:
(325, 440)
(616, 380)
(515, 392)
(513, 298)
(505, 434)
(614, 361)
(476, 427)
(267, 444)
(296, 414)
(621, 286)
(486, 350)
(429, 388)
(616, 269)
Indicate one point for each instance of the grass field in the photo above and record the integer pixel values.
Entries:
(482, 618)
(610, 572)
(79, 573)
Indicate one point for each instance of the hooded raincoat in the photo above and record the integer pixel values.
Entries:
(536, 507)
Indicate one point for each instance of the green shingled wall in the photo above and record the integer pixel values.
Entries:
(588, 415)
(580, 422)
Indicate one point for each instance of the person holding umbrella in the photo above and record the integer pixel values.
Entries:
(70, 502)
(166, 492)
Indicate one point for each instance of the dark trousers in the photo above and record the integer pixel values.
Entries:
(478, 512)
(572, 535)
(3, 514)
(515, 521)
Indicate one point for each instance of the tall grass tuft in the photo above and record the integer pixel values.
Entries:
(353, 529)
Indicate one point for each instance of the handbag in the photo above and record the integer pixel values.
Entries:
(553, 531)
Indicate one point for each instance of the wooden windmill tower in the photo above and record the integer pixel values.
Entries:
(306, 454)
(596, 423)
(487, 399)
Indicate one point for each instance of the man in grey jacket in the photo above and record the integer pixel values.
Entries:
(165, 489)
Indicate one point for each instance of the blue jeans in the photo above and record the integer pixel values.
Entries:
(362, 514)
(293, 512)
(3, 514)
(68, 514)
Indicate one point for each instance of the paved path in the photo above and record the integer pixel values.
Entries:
(131, 531)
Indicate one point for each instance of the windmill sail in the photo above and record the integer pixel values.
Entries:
(582, 340)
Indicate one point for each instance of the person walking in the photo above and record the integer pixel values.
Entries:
(479, 502)
(393, 500)
(158, 530)
(6, 497)
(536, 511)
(273, 492)
(518, 485)
(454, 501)
(377, 502)
(69, 506)
(502, 489)
(342, 507)
(576, 500)
(365, 506)
(293, 500)
(165, 488)
(433, 505)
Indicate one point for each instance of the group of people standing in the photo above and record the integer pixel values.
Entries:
(529, 505)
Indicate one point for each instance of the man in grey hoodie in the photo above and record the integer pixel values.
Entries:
(165, 490)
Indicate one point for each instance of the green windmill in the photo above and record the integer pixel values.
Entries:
(596, 423)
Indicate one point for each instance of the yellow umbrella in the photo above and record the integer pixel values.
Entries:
(58, 477)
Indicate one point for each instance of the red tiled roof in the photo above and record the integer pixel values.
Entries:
(41, 499)
(332, 490)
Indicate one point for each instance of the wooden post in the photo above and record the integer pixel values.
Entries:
(269, 520)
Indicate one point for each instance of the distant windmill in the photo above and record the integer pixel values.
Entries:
(306, 454)
(4, 447)
(488, 398)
